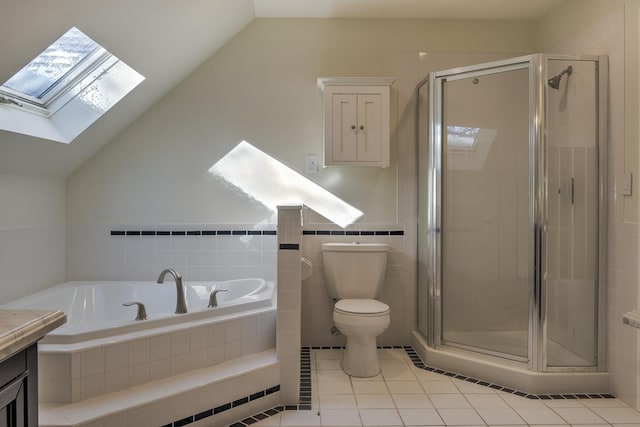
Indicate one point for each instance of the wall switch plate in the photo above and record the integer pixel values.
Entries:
(312, 163)
(627, 184)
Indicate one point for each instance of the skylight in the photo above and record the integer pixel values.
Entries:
(65, 89)
(50, 67)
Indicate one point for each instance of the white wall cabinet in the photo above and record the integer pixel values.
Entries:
(356, 121)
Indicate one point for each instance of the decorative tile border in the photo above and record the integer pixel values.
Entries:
(305, 384)
(352, 233)
(305, 393)
(214, 411)
(421, 365)
(136, 233)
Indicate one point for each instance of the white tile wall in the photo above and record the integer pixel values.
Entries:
(108, 366)
(33, 257)
(604, 37)
(289, 302)
(178, 397)
(93, 254)
(398, 290)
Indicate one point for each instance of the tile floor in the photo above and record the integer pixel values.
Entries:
(403, 395)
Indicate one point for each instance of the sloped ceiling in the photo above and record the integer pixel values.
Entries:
(410, 9)
(166, 40)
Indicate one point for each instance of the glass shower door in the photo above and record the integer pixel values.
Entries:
(486, 217)
(572, 236)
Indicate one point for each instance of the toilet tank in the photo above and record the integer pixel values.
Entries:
(354, 270)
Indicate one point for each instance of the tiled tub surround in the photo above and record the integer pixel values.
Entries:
(213, 396)
(75, 372)
(196, 251)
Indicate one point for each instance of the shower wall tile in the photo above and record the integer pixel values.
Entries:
(603, 37)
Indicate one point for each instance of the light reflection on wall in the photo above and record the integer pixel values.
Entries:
(272, 183)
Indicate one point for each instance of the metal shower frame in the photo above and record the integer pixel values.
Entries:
(538, 191)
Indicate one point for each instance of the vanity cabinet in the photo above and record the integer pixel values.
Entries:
(356, 121)
(20, 331)
(19, 389)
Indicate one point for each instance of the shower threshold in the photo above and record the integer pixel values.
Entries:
(513, 343)
(509, 373)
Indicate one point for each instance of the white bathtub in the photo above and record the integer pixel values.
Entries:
(94, 309)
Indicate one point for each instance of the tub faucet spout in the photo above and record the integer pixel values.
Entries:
(213, 297)
(181, 305)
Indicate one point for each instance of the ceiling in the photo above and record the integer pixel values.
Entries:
(418, 9)
(166, 40)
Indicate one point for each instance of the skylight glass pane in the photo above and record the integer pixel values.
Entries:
(48, 68)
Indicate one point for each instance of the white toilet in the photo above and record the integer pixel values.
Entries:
(354, 274)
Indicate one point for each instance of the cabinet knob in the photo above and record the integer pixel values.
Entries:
(353, 127)
(361, 127)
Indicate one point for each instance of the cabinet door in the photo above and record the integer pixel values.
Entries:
(344, 127)
(369, 128)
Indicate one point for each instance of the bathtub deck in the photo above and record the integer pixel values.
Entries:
(164, 401)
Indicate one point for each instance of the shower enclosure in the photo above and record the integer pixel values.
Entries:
(512, 215)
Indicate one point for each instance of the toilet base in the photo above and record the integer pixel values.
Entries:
(360, 359)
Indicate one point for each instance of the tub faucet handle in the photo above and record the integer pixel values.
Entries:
(142, 312)
(213, 298)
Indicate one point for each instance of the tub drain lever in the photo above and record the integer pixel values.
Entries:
(213, 298)
(142, 312)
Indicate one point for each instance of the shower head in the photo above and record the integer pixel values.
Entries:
(554, 81)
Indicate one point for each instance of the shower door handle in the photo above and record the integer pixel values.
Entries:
(573, 188)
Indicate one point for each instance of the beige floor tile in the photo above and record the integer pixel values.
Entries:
(579, 416)
(334, 387)
(404, 387)
(369, 387)
(500, 416)
(542, 415)
(449, 401)
(460, 417)
(412, 401)
(337, 401)
(486, 401)
(299, 418)
(420, 417)
(372, 401)
(380, 417)
(340, 417)
(439, 387)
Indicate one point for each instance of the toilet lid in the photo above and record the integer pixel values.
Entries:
(361, 307)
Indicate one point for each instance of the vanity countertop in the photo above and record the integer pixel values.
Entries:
(21, 328)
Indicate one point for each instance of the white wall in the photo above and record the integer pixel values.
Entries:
(262, 87)
(32, 234)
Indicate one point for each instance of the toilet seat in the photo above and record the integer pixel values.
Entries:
(361, 307)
